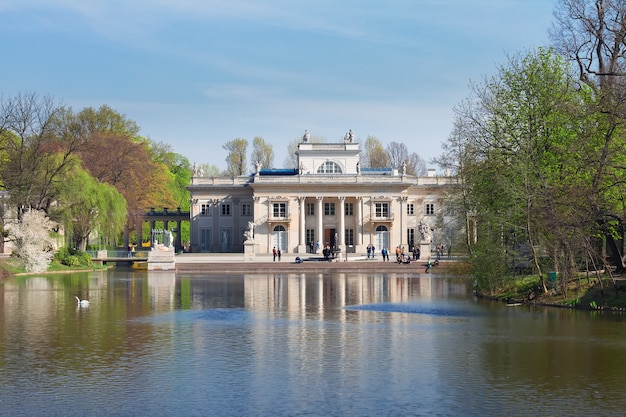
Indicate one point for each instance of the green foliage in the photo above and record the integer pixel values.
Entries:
(523, 143)
(72, 257)
(87, 205)
(489, 268)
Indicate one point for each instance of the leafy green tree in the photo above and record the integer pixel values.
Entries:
(236, 159)
(592, 34)
(87, 205)
(518, 147)
(90, 121)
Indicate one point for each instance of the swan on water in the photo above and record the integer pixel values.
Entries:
(82, 303)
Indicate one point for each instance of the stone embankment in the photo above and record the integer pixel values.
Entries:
(224, 263)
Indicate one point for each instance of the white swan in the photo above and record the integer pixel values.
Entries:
(82, 303)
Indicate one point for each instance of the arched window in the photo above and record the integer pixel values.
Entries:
(381, 237)
(329, 167)
(279, 236)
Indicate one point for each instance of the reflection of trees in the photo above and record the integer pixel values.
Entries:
(44, 326)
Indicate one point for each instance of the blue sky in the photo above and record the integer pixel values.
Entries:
(198, 73)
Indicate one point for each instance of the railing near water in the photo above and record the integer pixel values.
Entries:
(117, 254)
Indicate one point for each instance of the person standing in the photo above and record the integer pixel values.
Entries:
(275, 253)
(369, 250)
(384, 254)
(373, 251)
(279, 253)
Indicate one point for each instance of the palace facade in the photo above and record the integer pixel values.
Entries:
(328, 201)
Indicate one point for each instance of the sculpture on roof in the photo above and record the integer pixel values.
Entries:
(306, 136)
(349, 137)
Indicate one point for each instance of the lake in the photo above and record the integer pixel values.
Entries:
(336, 344)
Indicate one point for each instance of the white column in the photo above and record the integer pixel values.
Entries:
(403, 200)
(301, 242)
(342, 225)
(359, 223)
(320, 224)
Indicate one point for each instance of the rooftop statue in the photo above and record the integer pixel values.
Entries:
(349, 137)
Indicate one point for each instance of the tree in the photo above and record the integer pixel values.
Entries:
(518, 146)
(375, 155)
(113, 152)
(592, 34)
(86, 205)
(210, 170)
(262, 153)
(89, 122)
(397, 153)
(36, 148)
(415, 165)
(33, 242)
(236, 159)
(126, 164)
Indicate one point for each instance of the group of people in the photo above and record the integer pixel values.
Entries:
(403, 257)
(276, 253)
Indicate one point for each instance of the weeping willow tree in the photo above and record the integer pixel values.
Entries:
(86, 205)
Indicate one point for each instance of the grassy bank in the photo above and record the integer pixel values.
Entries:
(12, 266)
(597, 293)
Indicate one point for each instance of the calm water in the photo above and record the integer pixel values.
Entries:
(159, 344)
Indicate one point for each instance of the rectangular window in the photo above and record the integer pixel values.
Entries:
(225, 209)
(382, 209)
(280, 210)
(246, 209)
(310, 239)
(349, 209)
(350, 237)
(410, 209)
(329, 209)
(410, 237)
(205, 209)
(430, 208)
(310, 209)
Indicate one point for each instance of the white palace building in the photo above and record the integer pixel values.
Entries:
(327, 201)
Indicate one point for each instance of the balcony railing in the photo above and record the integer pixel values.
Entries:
(279, 218)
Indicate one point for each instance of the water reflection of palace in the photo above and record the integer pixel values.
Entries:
(163, 290)
(300, 292)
